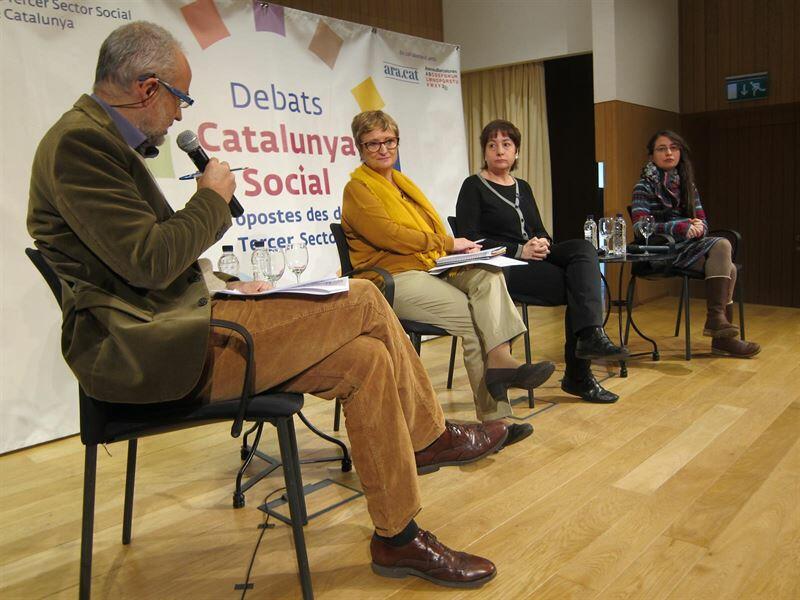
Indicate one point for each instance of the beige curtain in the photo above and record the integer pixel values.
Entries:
(514, 93)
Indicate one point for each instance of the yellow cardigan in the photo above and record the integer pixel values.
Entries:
(377, 240)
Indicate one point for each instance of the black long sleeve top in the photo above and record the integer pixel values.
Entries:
(497, 215)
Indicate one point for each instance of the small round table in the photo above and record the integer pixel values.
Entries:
(628, 301)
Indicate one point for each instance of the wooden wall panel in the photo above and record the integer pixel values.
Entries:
(621, 133)
(720, 38)
(747, 164)
(422, 18)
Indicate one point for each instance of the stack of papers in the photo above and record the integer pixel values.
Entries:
(456, 259)
(495, 261)
(320, 287)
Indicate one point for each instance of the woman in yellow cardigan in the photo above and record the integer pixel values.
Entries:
(390, 224)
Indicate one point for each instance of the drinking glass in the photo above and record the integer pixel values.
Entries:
(297, 258)
(606, 230)
(276, 264)
(648, 227)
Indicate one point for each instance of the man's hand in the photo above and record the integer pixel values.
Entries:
(249, 287)
(218, 177)
(465, 246)
(536, 249)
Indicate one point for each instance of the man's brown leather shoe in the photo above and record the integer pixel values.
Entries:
(461, 444)
(428, 558)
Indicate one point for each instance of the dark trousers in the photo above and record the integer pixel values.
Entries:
(570, 275)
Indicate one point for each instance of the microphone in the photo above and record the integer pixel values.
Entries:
(187, 141)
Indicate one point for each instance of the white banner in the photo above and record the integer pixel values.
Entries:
(275, 92)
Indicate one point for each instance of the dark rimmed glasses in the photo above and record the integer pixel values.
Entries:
(389, 144)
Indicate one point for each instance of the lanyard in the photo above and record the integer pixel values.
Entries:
(514, 205)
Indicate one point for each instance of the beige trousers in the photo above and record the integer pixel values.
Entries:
(474, 305)
(348, 346)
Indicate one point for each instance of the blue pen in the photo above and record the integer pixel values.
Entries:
(197, 174)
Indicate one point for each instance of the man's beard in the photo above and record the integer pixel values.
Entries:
(155, 135)
(156, 139)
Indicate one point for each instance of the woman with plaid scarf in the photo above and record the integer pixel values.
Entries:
(667, 191)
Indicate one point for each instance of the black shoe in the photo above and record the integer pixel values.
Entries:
(596, 346)
(589, 389)
(526, 377)
(518, 432)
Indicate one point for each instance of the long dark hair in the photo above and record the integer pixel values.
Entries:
(685, 168)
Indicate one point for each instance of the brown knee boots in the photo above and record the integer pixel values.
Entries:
(733, 346)
(717, 295)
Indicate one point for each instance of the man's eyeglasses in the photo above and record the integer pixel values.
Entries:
(389, 144)
(673, 148)
(185, 99)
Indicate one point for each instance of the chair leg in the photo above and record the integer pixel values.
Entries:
(687, 324)
(245, 450)
(295, 465)
(452, 366)
(526, 338)
(347, 463)
(629, 307)
(130, 480)
(416, 341)
(285, 428)
(740, 298)
(337, 414)
(238, 494)
(87, 526)
(680, 309)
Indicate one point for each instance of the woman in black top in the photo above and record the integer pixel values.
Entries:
(500, 208)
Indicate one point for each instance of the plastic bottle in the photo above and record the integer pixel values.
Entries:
(228, 263)
(590, 231)
(620, 236)
(260, 261)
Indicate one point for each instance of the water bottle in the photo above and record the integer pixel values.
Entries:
(620, 236)
(590, 231)
(260, 261)
(228, 263)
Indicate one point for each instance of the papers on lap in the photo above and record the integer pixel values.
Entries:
(457, 259)
(320, 287)
(496, 261)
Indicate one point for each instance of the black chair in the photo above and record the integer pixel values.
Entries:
(524, 302)
(105, 422)
(644, 271)
(414, 329)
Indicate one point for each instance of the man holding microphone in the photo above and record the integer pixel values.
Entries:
(137, 308)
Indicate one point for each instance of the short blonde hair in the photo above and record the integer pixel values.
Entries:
(370, 120)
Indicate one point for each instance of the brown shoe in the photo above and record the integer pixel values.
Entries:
(717, 324)
(461, 444)
(734, 347)
(428, 558)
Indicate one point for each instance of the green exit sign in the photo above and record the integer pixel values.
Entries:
(747, 87)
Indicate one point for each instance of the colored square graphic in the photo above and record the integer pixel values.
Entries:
(367, 96)
(269, 17)
(204, 21)
(326, 44)
(161, 166)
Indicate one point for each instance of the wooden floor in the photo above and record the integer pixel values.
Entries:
(688, 487)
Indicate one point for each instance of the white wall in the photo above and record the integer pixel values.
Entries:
(636, 52)
(634, 42)
(492, 33)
